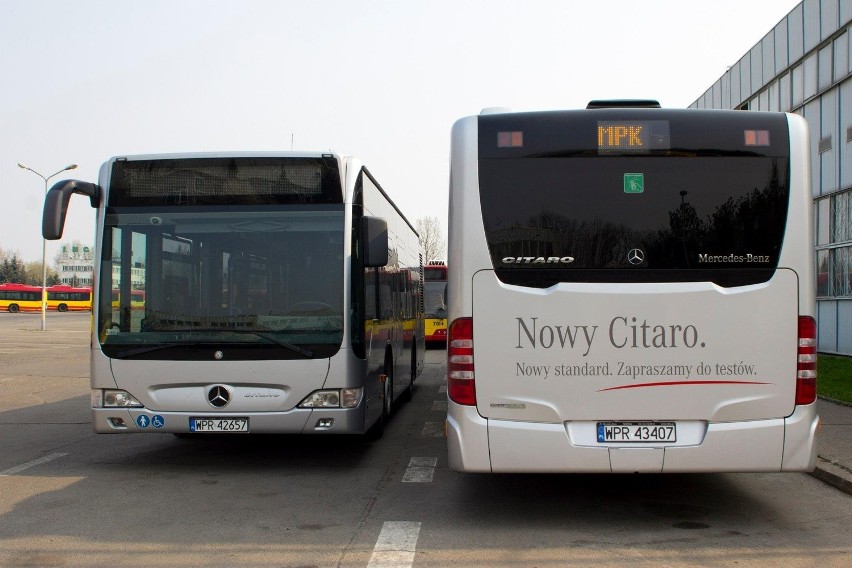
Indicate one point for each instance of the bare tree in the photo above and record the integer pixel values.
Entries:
(434, 244)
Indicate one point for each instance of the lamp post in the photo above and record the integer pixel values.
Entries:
(44, 244)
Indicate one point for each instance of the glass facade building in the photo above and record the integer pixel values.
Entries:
(804, 65)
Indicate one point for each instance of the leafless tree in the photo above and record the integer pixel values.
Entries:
(434, 243)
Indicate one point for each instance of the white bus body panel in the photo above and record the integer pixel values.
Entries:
(257, 386)
(627, 352)
(534, 421)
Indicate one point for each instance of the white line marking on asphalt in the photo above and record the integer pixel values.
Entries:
(420, 470)
(440, 405)
(433, 430)
(442, 388)
(23, 466)
(396, 545)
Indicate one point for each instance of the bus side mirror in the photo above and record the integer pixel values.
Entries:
(374, 241)
(56, 205)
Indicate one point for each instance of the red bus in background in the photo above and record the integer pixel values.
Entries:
(65, 298)
(16, 298)
(436, 301)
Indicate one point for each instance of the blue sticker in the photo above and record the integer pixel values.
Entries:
(158, 421)
(142, 421)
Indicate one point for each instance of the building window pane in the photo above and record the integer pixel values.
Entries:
(822, 273)
(823, 210)
(784, 94)
(848, 275)
(763, 101)
(839, 271)
(840, 218)
(798, 86)
(825, 76)
(745, 77)
(773, 96)
(812, 24)
(811, 84)
(841, 57)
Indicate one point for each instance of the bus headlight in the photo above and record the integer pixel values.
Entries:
(333, 398)
(350, 398)
(111, 398)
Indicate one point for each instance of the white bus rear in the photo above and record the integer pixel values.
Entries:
(632, 291)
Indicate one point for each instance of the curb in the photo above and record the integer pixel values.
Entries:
(835, 401)
(833, 475)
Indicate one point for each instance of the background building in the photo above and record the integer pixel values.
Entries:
(803, 65)
(75, 264)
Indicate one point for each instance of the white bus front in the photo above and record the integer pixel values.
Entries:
(220, 297)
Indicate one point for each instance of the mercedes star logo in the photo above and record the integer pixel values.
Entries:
(636, 256)
(218, 396)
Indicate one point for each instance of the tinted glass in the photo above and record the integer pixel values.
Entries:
(697, 208)
(254, 283)
(225, 181)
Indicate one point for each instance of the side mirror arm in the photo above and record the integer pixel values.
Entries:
(56, 204)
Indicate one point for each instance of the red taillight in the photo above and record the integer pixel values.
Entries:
(460, 384)
(806, 369)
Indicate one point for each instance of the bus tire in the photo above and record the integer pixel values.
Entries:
(408, 393)
(13, 308)
(377, 430)
(62, 308)
(387, 403)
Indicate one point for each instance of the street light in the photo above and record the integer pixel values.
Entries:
(44, 244)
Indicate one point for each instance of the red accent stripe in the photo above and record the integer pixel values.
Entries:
(683, 383)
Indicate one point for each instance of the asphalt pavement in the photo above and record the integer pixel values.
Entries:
(834, 445)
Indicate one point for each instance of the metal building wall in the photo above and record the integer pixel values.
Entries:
(804, 65)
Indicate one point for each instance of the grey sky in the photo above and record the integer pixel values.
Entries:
(84, 80)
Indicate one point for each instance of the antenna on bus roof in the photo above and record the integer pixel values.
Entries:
(624, 103)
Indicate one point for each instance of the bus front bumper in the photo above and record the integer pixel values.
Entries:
(296, 421)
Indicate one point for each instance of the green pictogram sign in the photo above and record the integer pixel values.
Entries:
(634, 183)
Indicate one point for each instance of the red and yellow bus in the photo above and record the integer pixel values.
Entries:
(65, 298)
(16, 298)
(137, 299)
(436, 301)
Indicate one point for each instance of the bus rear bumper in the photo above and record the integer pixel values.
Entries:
(296, 421)
(477, 444)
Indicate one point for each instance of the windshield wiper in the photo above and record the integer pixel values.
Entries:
(263, 334)
(149, 349)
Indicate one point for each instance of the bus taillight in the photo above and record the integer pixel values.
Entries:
(461, 387)
(806, 369)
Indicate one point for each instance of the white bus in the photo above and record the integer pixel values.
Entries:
(632, 291)
(263, 293)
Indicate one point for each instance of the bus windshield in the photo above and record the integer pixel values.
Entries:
(193, 276)
(209, 277)
(436, 299)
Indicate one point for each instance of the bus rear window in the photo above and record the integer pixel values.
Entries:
(630, 218)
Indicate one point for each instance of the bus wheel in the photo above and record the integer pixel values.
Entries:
(13, 308)
(408, 393)
(378, 429)
(62, 308)
(387, 406)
